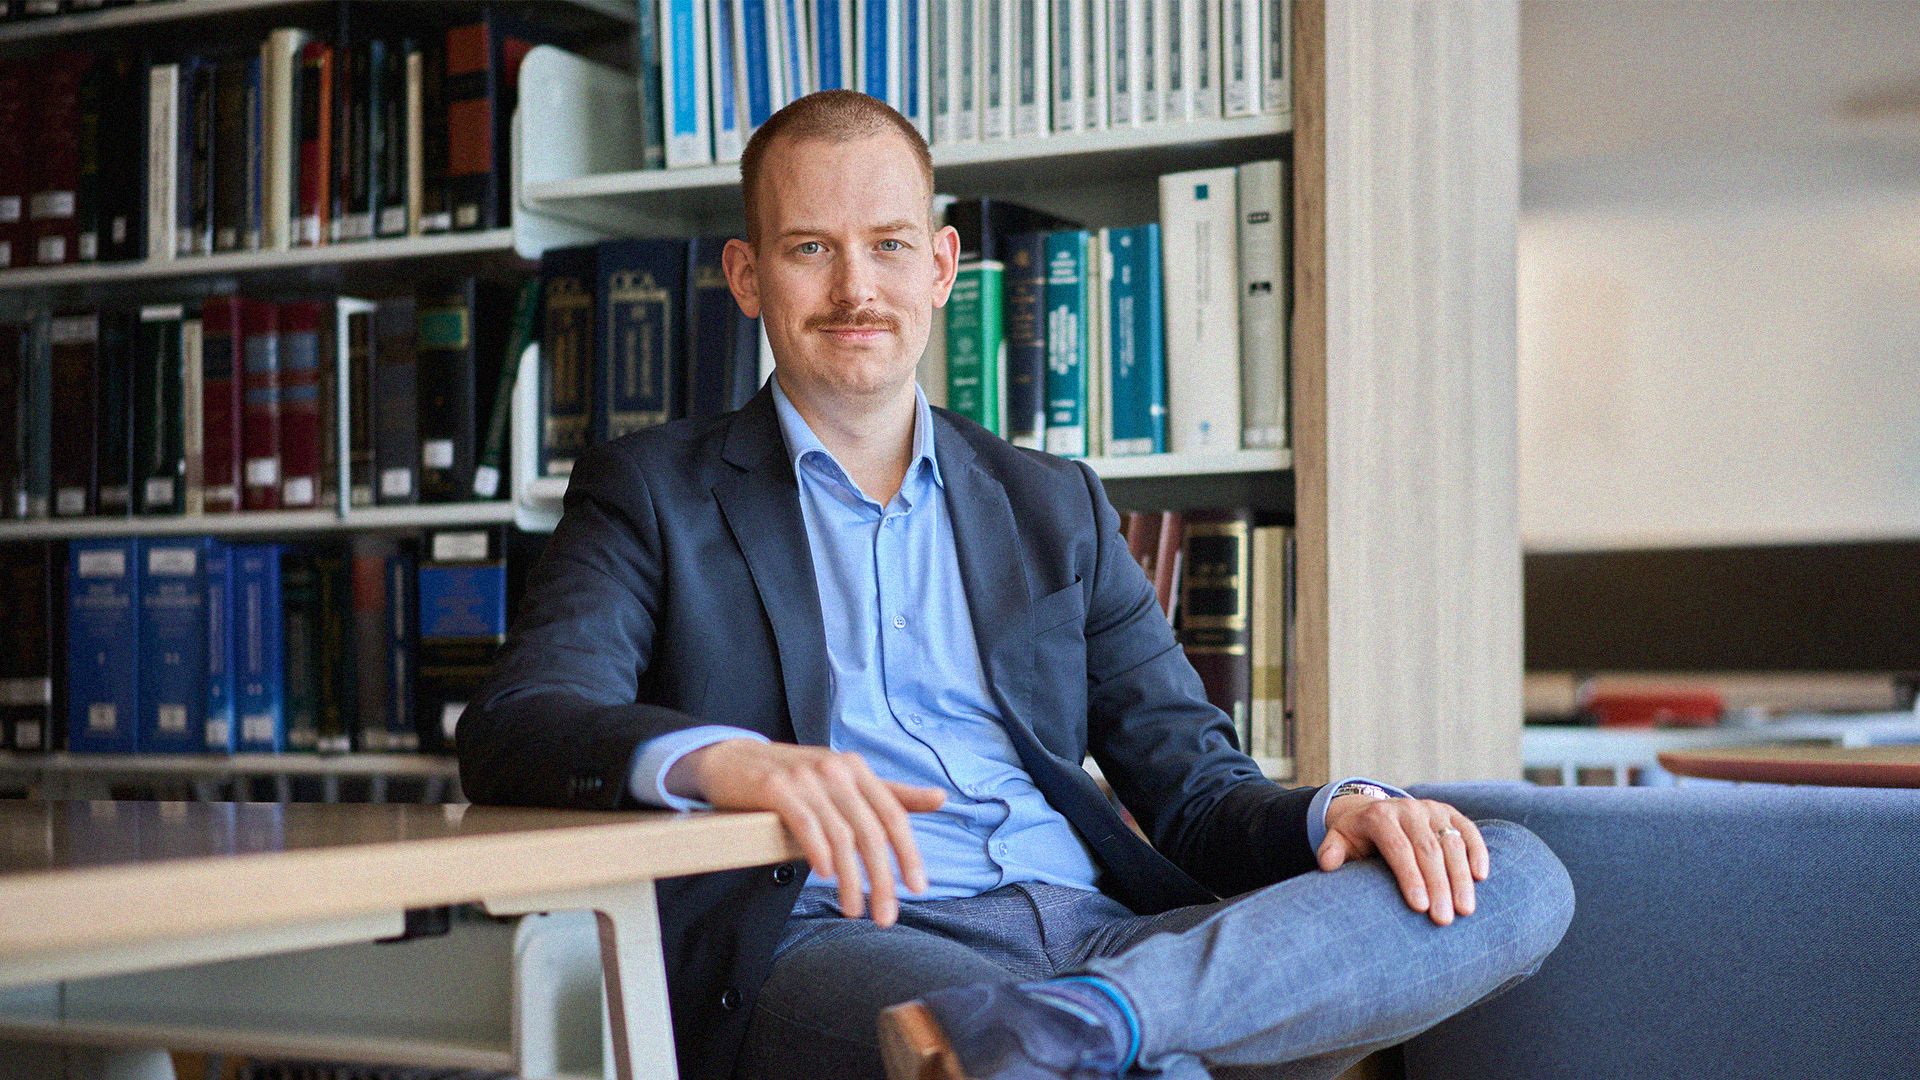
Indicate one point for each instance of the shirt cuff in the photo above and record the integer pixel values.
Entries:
(648, 777)
(1317, 810)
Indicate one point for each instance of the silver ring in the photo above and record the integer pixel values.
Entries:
(1449, 831)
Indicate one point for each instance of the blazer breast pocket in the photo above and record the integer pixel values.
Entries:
(1058, 608)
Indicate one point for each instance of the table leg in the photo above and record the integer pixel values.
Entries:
(634, 972)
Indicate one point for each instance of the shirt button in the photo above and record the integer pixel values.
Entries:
(899, 622)
(731, 999)
(914, 720)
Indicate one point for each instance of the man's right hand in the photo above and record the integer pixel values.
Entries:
(840, 812)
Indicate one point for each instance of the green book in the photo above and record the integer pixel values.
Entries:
(493, 446)
(977, 344)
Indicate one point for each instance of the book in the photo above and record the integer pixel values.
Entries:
(1033, 67)
(1025, 327)
(16, 182)
(1270, 728)
(722, 342)
(223, 375)
(402, 642)
(463, 622)
(103, 645)
(1206, 56)
(88, 200)
(1241, 77)
(53, 226)
(996, 69)
(1168, 557)
(723, 65)
(1200, 269)
(646, 62)
(394, 203)
(976, 343)
(220, 728)
(192, 416)
(300, 630)
(36, 403)
(416, 138)
(15, 410)
(313, 191)
(299, 349)
(1136, 386)
(1276, 61)
(113, 413)
(1129, 57)
(122, 140)
(27, 573)
(395, 406)
(1215, 609)
(685, 75)
(568, 278)
(482, 71)
(457, 374)
(640, 363)
(74, 341)
(1066, 299)
(334, 669)
(232, 112)
(260, 414)
(491, 466)
(754, 43)
(354, 344)
(436, 201)
(1265, 288)
(195, 161)
(159, 444)
(173, 645)
(163, 143)
(943, 69)
(259, 655)
(372, 682)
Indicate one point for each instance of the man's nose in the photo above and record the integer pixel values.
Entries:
(853, 280)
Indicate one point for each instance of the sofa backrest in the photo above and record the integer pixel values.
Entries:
(1719, 930)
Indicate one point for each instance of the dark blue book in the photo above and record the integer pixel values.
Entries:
(222, 731)
(723, 344)
(257, 650)
(300, 627)
(567, 280)
(1025, 421)
(113, 421)
(173, 645)
(463, 622)
(641, 361)
(403, 639)
(103, 645)
(193, 215)
(28, 573)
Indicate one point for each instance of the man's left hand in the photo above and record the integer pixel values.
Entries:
(1436, 870)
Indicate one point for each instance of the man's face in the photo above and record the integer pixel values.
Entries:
(846, 271)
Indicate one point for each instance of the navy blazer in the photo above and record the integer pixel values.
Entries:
(678, 590)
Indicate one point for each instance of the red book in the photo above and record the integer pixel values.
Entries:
(53, 222)
(1143, 539)
(222, 346)
(300, 403)
(260, 415)
(1167, 561)
(314, 211)
(16, 105)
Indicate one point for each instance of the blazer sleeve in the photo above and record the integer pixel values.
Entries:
(1167, 751)
(558, 722)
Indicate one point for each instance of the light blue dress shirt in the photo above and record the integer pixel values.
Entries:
(908, 693)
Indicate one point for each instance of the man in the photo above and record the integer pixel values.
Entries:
(904, 635)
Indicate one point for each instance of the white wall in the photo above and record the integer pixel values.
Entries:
(1720, 347)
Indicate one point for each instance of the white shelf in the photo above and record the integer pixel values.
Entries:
(1201, 463)
(174, 11)
(397, 249)
(213, 766)
(264, 522)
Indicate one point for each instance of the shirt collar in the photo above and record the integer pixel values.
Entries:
(801, 440)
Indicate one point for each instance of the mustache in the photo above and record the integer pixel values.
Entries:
(857, 320)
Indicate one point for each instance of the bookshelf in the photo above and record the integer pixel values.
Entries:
(254, 264)
(178, 13)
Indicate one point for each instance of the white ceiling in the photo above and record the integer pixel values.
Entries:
(1627, 78)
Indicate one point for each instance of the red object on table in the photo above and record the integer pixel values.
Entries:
(1656, 708)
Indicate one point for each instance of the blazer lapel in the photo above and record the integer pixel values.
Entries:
(761, 503)
(993, 569)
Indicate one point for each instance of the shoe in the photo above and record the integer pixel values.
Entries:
(995, 1032)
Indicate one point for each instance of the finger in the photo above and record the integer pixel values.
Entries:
(842, 852)
(1433, 868)
(1453, 843)
(1333, 851)
(893, 817)
(804, 824)
(915, 797)
(1397, 850)
(1477, 857)
(870, 840)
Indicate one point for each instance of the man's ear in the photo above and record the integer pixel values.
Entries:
(737, 260)
(946, 259)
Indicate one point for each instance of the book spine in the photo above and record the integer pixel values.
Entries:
(259, 652)
(352, 391)
(37, 357)
(260, 409)
(192, 417)
(222, 687)
(27, 574)
(197, 160)
(436, 205)
(395, 192)
(996, 95)
(1137, 384)
(1200, 270)
(647, 65)
(222, 379)
(462, 625)
(964, 42)
(173, 646)
(642, 286)
(723, 62)
(89, 198)
(333, 653)
(1206, 83)
(1151, 52)
(283, 105)
(396, 394)
(711, 322)
(1264, 288)
(1066, 384)
(1093, 47)
(566, 357)
(159, 411)
(942, 66)
(1026, 339)
(230, 162)
(1240, 76)
(1066, 58)
(416, 139)
(448, 391)
(755, 49)
(13, 433)
(1216, 609)
(300, 627)
(830, 71)
(119, 331)
(472, 96)
(683, 31)
(1276, 65)
(913, 64)
(491, 464)
(314, 215)
(402, 641)
(103, 645)
(1123, 62)
(163, 142)
(123, 175)
(356, 192)
(1170, 65)
(1266, 647)
(52, 221)
(372, 689)
(340, 161)
(976, 345)
(1167, 557)
(1033, 66)
(16, 181)
(370, 169)
(75, 344)
(796, 58)
(300, 450)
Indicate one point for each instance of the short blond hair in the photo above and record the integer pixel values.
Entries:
(832, 115)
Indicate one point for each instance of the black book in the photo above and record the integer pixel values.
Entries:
(159, 448)
(300, 640)
(13, 421)
(198, 132)
(567, 277)
(436, 210)
(1025, 420)
(76, 386)
(723, 344)
(27, 573)
(87, 195)
(232, 156)
(36, 357)
(459, 345)
(122, 217)
(113, 416)
(394, 190)
(396, 421)
(334, 693)
(359, 349)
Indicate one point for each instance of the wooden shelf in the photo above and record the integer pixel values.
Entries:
(365, 252)
(1192, 463)
(179, 11)
(208, 766)
(266, 522)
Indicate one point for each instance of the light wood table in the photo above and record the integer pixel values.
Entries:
(1833, 766)
(93, 889)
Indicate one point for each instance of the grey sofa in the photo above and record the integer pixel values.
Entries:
(1723, 931)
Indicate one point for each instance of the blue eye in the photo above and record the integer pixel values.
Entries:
(897, 245)
(813, 244)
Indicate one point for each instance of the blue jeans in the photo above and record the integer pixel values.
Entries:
(1298, 979)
